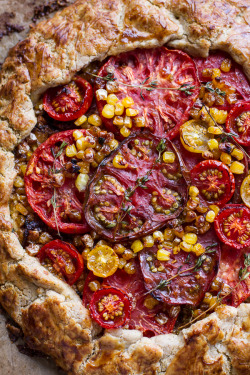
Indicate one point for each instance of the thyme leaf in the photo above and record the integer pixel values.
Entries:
(209, 87)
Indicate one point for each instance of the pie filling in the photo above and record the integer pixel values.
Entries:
(139, 198)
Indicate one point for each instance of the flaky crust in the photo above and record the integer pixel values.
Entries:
(49, 312)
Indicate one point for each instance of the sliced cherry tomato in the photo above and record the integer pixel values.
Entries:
(103, 261)
(184, 283)
(245, 191)
(163, 110)
(238, 122)
(214, 180)
(134, 191)
(63, 258)
(68, 102)
(232, 225)
(110, 307)
(195, 136)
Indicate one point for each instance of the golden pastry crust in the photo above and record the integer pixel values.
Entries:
(49, 312)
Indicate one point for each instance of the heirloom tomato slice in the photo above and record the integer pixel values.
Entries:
(134, 191)
(232, 225)
(70, 101)
(214, 180)
(110, 307)
(142, 75)
(238, 122)
(185, 277)
(50, 185)
(63, 258)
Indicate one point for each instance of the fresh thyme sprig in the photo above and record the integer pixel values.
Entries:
(209, 87)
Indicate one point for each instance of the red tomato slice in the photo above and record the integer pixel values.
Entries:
(232, 261)
(214, 180)
(238, 121)
(164, 110)
(132, 199)
(64, 258)
(51, 193)
(190, 286)
(110, 307)
(68, 102)
(232, 226)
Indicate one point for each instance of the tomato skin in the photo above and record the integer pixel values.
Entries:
(117, 321)
(227, 179)
(50, 251)
(233, 239)
(240, 107)
(86, 91)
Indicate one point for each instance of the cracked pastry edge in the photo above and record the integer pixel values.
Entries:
(49, 312)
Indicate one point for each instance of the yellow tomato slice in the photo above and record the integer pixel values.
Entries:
(102, 261)
(245, 191)
(194, 136)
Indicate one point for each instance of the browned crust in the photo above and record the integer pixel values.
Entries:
(49, 312)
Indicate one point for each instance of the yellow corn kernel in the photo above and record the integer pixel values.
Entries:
(226, 65)
(131, 112)
(190, 238)
(168, 234)
(128, 102)
(140, 122)
(214, 208)
(112, 86)
(225, 158)
(216, 73)
(119, 109)
(113, 144)
(80, 120)
(82, 181)
(158, 236)
(238, 154)
(163, 254)
(198, 249)
(150, 302)
(119, 248)
(125, 132)
(101, 94)
(71, 151)
(213, 302)
(148, 241)
(237, 167)
(85, 142)
(219, 116)
(84, 166)
(19, 182)
(137, 246)
(20, 208)
(80, 154)
(127, 122)
(207, 298)
(186, 246)
(168, 157)
(112, 99)
(118, 120)
(95, 119)
(210, 216)
(214, 130)
(213, 144)
(119, 162)
(77, 134)
(193, 191)
(108, 111)
(122, 263)
(176, 249)
(23, 168)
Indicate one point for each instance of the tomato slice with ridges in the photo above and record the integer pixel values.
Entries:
(238, 122)
(163, 110)
(70, 101)
(64, 258)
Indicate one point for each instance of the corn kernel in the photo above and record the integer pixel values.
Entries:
(150, 302)
(119, 248)
(137, 246)
(190, 238)
(168, 234)
(163, 254)
(118, 120)
(94, 285)
(71, 151)
(207, 298)
(77, 134)
(198, 249)
(19, 182)
(20, 208)
(119, 109)
(210, 216)
(238, 154)
(83, 165)
(168, 157)
(214, 208)
(108, 111)
(131, 112)
(113, 144)
(213, 302)
(80, 154)
(186, 246)
(216, 73)
(112, 99)
(119, 162)
(140, 122)
(82, 181)
(23, 168)
(101, 94)
(125, 132)
(214, 130)
(128, 102)
(127, 122)
(80, 120)
(226, 65)
(193, 191)
(122, 263)
(176, 249)
(158, 236)
(112, 86)
(219, 116)
(213, 144)
(237, 167)
(148, 241)
(225, 158)
(95, 120)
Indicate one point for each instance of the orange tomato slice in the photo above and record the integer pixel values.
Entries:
(102, 261)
